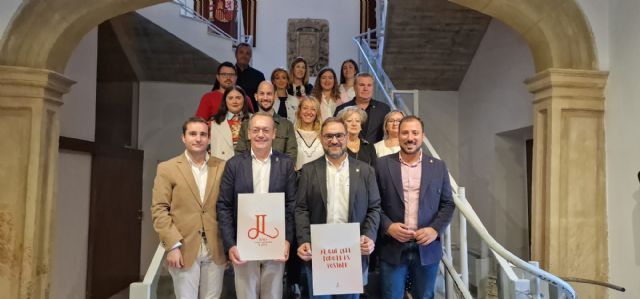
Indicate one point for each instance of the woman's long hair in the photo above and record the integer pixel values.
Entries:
(355, 66)
(222, 111)
(317, 88)
(305, 80)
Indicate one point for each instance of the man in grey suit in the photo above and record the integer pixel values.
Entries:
(417, 205)
(336, 189)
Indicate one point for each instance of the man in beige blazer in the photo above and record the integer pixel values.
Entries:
(183, 208)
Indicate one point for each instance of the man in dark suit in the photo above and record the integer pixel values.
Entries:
(373, 128)
(417, 205)
(259, 170)
(336, 189)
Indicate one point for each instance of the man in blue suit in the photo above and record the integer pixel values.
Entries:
(259, 170)
(417, 205)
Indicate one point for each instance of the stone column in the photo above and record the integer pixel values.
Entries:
(569, 208)
(30, 100)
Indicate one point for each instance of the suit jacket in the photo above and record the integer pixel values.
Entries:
(285, 141)
(435, 208)
(179, 215)
(311, 199)
(373, 128)
(221, 140)
(238, 178)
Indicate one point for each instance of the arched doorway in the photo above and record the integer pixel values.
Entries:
(568, 129)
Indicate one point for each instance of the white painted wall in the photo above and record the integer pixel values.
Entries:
(164, 107)
(71, 232)
(597, 14)
(78, 113)
(622, 120)
(492, 100)
(7, 10)
(439, 112)
(271, 26)
(167, 15)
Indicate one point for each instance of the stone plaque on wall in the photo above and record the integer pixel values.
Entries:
(308, 38)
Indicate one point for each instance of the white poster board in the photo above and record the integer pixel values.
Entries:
(336, 260)
(261, 228)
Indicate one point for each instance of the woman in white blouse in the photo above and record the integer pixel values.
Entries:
(326, 91)
(285, 104)
(390, 145)
(225, 125)
(348, 72)
(308, 132)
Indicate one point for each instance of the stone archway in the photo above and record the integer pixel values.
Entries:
(568, 128)
(569, 233)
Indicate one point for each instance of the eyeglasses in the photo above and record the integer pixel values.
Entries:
(256, 131)
(393, 121)
(227, 75)
(329, 137)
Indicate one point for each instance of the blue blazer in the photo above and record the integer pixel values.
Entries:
(238, 178)
(435, 208)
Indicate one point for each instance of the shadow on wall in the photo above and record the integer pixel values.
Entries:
(635, 216)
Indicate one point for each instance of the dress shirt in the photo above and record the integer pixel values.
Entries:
(261, 170)
(199, 174)
(338, 192)
(411, 175)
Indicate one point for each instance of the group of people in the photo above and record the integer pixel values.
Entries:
(337, 155)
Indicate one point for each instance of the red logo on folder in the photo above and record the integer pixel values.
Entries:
(259, 230)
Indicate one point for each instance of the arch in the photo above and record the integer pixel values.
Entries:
(43, 34)
(557, 32)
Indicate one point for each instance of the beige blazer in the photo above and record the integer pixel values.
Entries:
(221, 140)
(177, 212)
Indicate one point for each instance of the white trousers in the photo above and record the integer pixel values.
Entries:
(203, 280)
(259, 279)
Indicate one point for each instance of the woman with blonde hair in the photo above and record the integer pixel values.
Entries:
(326, 91)
(357, 148)
(389, 144)
(299, 79)
(308, 132)
(285, 104)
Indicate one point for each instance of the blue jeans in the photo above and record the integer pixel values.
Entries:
(307, 271)
(392, 277)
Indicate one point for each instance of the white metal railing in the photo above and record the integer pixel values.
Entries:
(372, 62)
(149, 285)
(188, 12)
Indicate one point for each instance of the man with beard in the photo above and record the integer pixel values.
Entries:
(285, 141)
(210, 102)
(336, 189)
(260, 170)
(417, 205)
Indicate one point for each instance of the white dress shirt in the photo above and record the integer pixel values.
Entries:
(261, 170)
(200, 173)
(338, 192)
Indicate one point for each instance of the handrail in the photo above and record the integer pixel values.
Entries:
(147, 288)
(456, 279)
(463, 206)
(595, 282)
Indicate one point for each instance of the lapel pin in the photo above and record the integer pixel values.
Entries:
(357, 169)
(431, 161)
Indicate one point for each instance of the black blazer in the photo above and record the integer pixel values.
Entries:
(435, 208)
(311, 199)
(238, 178)
(366, 154)
(373, 128)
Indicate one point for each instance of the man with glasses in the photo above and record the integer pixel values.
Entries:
(285, 140)
(417, 206)
(210, 102)
(336, 189)
(260, 170)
